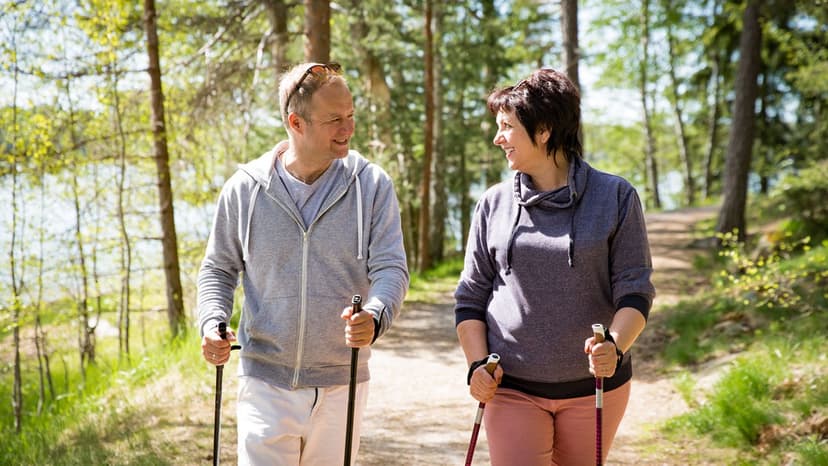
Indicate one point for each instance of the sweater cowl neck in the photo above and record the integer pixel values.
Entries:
(562, 198)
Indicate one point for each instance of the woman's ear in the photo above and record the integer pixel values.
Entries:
(542, 136)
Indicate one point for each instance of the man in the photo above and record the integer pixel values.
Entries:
(310, 224)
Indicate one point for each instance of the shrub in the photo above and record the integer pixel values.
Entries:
(802, 196)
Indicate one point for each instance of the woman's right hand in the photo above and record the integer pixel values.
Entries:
(483, 385)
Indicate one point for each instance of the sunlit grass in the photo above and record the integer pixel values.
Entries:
(434, 285)
(96, 420)
(771, 401)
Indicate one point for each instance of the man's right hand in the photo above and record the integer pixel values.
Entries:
(216, 350)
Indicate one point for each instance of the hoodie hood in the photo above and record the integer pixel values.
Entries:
(262, 168)
(262, 171)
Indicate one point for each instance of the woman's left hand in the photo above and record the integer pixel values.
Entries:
(602, 357)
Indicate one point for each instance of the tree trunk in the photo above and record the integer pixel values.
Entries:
(654, 199)
(492, 64)
(715, 110)
(712, 126)
(740, 142)
(16, 286)
(277, 16)
(318, 31)
(424, 262)
(125, 245)
(381, 124)
(86, 342)
(175, 301)
(439, 207)
(571, 52)
(17, 387)
(43, 369)
(681, 134)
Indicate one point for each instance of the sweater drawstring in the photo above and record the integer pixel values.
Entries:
(571, 253)
(512, 240)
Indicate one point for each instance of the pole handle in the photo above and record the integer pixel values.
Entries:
(222, 330)
(356, 304)
(492, 362)
(598, 332)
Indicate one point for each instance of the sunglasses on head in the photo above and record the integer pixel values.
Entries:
(318, 71)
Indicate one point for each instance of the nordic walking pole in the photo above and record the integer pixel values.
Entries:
(222, 329)
(491, 365)
(356, 302)
(598, 332)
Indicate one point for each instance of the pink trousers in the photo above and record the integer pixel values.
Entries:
(530, 430)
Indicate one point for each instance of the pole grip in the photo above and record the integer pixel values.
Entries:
(492, 362)
(222, 330)
(598, 332)
(356, 304)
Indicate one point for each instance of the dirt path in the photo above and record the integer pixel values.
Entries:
(419, 411)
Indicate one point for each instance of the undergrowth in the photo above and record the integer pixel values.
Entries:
(96, 421)
(767, 311)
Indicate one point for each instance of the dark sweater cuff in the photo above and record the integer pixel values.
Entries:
(636, 301)
(463, 314)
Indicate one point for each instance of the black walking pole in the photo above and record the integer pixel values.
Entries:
(491, 365)
(598, 333)
(222, 329)
(356, 301)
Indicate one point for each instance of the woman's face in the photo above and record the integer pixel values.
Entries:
(522, 153)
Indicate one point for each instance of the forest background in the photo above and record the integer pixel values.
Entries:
(120, 121)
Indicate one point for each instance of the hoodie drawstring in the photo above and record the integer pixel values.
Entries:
(359, 217)
(245, 234)
(245, 249)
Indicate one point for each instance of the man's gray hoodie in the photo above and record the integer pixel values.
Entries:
(297, 278)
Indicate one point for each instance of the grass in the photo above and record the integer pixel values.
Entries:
(98, 421)
(433, 285)
(771, 403)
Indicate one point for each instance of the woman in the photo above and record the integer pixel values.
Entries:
(559, 247)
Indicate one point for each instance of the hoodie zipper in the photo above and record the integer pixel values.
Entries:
(303, 312)
(300, 346)
(303, 300)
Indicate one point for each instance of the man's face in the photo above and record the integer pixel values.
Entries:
(330, 125)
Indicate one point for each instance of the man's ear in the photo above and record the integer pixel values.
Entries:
(296, 123)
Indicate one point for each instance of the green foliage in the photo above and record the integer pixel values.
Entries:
(764, 405)
(739, 407)
(434, 284)
(100, 422)
(801, 197)
(772, 280)
(770, 308)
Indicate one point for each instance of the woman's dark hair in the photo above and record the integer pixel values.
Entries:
(546, 100)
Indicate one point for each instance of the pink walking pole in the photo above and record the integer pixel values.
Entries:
(491, 365)
(598, 332)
